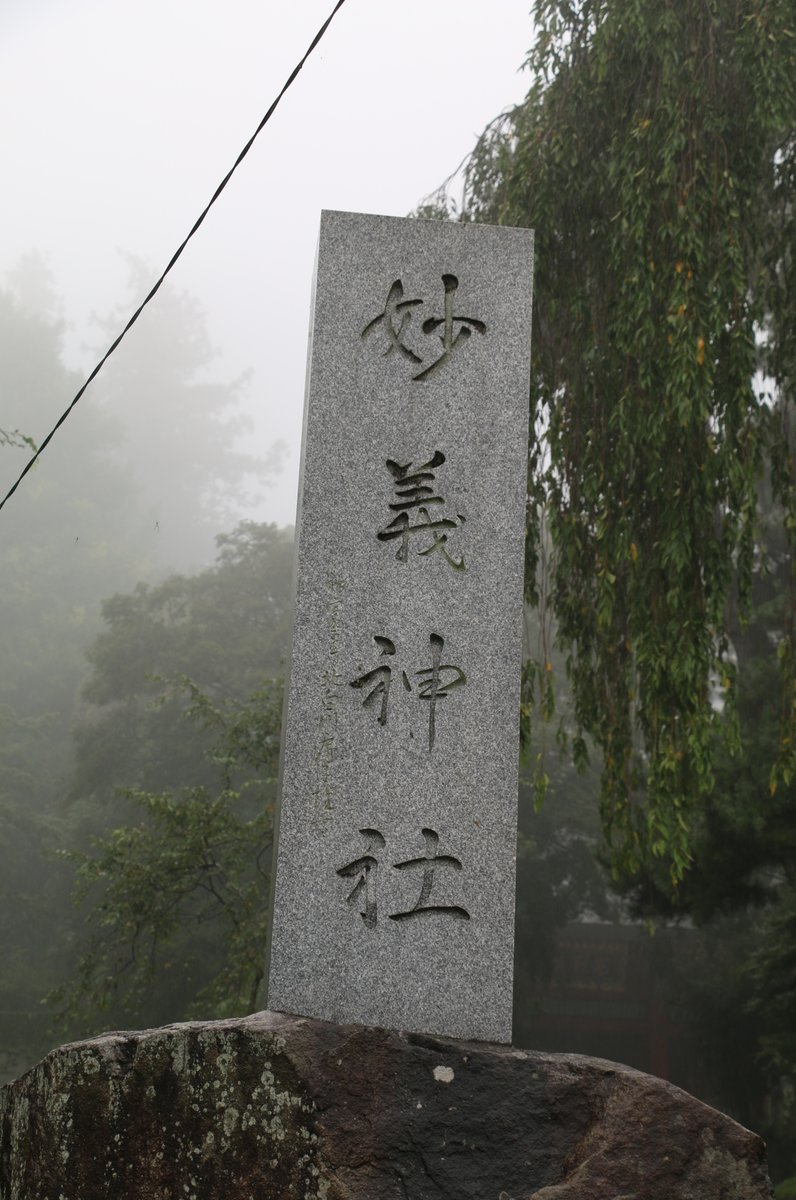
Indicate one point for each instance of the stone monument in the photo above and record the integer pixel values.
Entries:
(395, 864)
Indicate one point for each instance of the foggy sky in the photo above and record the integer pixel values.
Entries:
(120, 119)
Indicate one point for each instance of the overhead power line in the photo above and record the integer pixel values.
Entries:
(175, 256)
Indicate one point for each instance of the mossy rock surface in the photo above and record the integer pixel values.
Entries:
(273, 1107)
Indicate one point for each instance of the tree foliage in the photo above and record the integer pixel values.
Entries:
(186, 442)
(174, 782)
(83, 527)
(655, 158)
(66, 538)
(20, 441)
(177, 900)
(226, 628)
(738, 991)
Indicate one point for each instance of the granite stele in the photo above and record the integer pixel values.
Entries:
(394, 888)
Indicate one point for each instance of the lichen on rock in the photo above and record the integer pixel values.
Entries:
(273, 1107)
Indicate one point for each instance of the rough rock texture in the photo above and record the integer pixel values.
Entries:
(285, 1108)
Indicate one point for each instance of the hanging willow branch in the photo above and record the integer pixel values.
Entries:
(655, 157)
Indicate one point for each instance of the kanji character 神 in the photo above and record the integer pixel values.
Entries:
(435, 682)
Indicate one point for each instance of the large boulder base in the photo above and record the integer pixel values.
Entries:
(273, 1107)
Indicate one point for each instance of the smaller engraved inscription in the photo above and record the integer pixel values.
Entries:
(415, 489)
(395, 322)
(434, 683)
(364, 870)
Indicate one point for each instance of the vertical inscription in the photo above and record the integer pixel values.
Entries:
(394, 882)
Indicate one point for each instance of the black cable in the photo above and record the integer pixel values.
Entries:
(177, 252)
